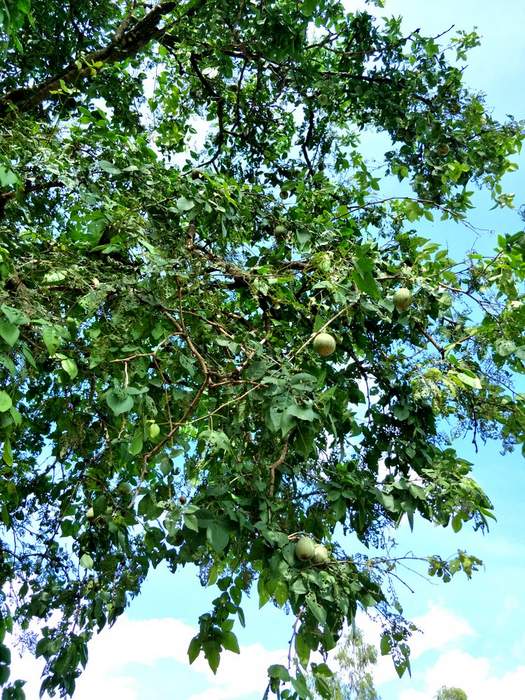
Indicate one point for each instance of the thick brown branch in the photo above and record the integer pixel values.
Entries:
(129, 39)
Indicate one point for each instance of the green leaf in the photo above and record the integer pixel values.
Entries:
(9, 332)
(300, 686)
(117, 403)
(135, 446)
(54, 276)
(317, 611)
(86, 561)
(191, 521)
(7, 453)
(14, 315)
(401, 412)
(212, 652)
(279, 671)
(8, 363)
(194, 649)
(7, 177)
(468, 380)
(229, 641)
(217, 536)
(184, 204)
(5, 402)
(298, 587)
(5, 654)
(308, 7)
(70, 367)
(302, 649)
(505, 347)
(52, 338)
(385, 645)
(305, 413)
(109, 167)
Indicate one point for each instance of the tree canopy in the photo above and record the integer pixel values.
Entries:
(184, 205)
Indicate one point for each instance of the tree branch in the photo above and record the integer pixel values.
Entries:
(127, 41)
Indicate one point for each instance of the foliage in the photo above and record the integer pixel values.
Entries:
(354, 679)
(161, 401)
(451, 694)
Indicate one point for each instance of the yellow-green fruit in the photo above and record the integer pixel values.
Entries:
(402, 299)
(443, 149)
(324, 344)
(304, 548)
(90, 513)
(280, 230)
(153, 430)
(321, 555)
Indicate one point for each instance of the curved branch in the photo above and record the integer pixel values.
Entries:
(127, 41)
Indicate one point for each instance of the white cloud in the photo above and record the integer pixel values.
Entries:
(475, 675)
(117, 655)
(443, 632)
(438, 627)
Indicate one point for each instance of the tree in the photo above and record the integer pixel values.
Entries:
(451, 694)
(162, 399)
(354, 679)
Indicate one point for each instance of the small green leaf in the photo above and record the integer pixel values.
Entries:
(279, 671)
(466, 379)
(385, 645)
(86, 561)
(184, 204)
(5, 402)
(135, 446)
(505, 347)
(8, 177)
(54, 276)
(14, 315)
(7, 453)
(70, 367)
(308, 7)
(52, 339)
(9, 332)
(109, 167)
(194, 649)
(401, 412)
(302, 412)
(212, 652)
(8, 364)
(317, 611)
(118, 404)
(217, 536)
(229, 641)
(191, 522)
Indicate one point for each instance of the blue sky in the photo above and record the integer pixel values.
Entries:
(474, 631)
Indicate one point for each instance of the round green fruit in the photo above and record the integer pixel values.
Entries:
(321, 555)
(304, 548)
(90, 513)
(153, 430)
(280, 230)
(324, 344)
(402, 299)
(443, 149)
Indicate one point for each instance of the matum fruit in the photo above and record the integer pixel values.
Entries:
(402, 299)
(324, 344)
(304, 548)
